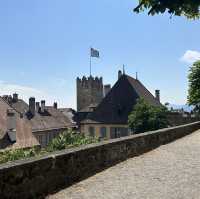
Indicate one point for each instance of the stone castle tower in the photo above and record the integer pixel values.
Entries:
(89, 91)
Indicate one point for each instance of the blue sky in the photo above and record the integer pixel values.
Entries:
(44, 46)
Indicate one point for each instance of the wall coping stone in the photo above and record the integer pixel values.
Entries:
(52, 155)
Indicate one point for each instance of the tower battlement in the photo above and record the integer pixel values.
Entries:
(89, 91)
(94, 82)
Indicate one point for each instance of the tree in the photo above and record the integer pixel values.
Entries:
(194, 86)
(146, 117)
(188, 8)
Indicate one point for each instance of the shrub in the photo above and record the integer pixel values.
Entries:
(69, 139)
(16, 154)
(146, 117)
(65, 140)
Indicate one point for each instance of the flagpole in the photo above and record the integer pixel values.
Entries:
(90, 66)
(90, 63)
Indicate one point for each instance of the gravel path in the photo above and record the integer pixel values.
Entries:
(171, 171)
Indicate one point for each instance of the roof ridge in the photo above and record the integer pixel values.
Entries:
(128, 76)
(146, 89)
(10, 105)
(141, 85)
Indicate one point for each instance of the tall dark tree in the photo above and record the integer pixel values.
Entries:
(188, 8)
(146, 117)
(194, 86)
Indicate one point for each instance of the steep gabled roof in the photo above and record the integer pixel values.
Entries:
(20, 106)
(70, 114)
(53, 118)
(119, 102)
(3, 117)
(24, 136)
(142, 91)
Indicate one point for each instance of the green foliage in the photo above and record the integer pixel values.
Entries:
(146, 117)
(69, 139)
(66, 140)
(188, 8)
(16, 154)
(194, 86)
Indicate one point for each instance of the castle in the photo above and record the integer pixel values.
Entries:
(103, 111)
(90, 92)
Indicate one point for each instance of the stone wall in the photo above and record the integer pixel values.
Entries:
(176, 119)
(36, 178)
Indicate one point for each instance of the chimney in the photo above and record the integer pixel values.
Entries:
(11, 119)
(32, 105)
(107, 88)
(10, 99)
(157, 95)
(42, 106)
(15, 97)
(55, 105)
(37, 105)
(119, 74)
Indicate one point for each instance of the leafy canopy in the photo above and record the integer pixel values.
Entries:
(188, 8)
(146, 117)
(194, 86)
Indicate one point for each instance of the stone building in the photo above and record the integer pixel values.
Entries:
(25, 125)
(89, 92)
(14, 133)
(110, 118)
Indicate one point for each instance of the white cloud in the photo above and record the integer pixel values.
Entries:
(190, 56)
(24, 92)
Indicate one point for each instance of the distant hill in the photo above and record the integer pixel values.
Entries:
(178, 106)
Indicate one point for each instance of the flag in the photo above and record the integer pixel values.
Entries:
(94, 53)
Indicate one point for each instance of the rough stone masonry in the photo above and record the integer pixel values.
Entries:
(38, 177)
(168, 172)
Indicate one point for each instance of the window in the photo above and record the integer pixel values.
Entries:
(51, 136)
(91, 131)
(47, 137)
(103, 132)
(55, 134)
(116, 132)
(124, 132)
(42, 140)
